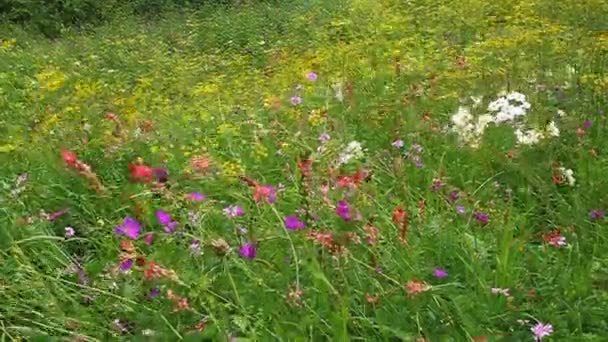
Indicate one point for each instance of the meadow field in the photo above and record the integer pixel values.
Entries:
(313, 170)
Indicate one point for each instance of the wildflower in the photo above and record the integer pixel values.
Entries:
(293, 223)
(324, 137)
(69, 232)
(69, 157)
(400, 219)
(437, 185)
(541, 330)
(242, 230)
(371, 234)
(197, 197)
(165, 219)
(296, 100)
(528, 137)
(568, 174)
(233, 211)
(311, 76)
(343, 210)
(130, 228)
(155, 271)
(417, 161)
(148, 238)
(294, 297)
(415, 287)
(454, 196)
(161, 174)
(498, 290)
(596, 214)
(195, 247)
(555, 239)
(221, 247)
(440, 273)
(200, 164)
(552, 129)
(126, 265)
(398, 143)
(481, 217)
(154, 292)
(588, 124)
(372, 299)
(248, 250)
(141, 173)
(353, 150)
(265, 192)
(460, 209)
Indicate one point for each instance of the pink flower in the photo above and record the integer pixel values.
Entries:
(69, 232)
(265, 192)
(324, 137)
(541, 330)
(165, 219)
(343, 210)
(233, 211)
(311, 76)
(296, 100)
(197, 197)
(148, 238)
(555, 239)
(398, 143)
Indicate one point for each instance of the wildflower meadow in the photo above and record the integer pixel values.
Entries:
(308, 170)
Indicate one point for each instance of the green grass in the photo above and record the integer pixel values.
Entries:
(218, 83)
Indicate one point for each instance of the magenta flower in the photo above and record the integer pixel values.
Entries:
(248, 251)
(265, 192)
(482, 218)
(154, 292)
(296, 100)
(311, 76)
(343, 210)
(588, 124)
(541, 330)
(197, 197)
(148, 238)
(165, 219)
(69, 232)
(126, 265)
(437, 185)
(293, 223)
(233, 211)
(130, 228)
(398, 143)
(596, 214)
(161, 175)
(440, 273)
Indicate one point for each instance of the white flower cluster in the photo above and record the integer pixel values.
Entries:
(508, 108)
(353, 150)
(568, 174)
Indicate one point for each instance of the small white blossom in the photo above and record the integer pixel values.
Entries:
(552, 129)
(568, 174)
(528, 137)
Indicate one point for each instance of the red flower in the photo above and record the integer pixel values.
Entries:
(69, 157)
(141, 173)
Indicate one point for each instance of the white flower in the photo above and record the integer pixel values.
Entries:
(561, 113)
(476, 101)
(463, 117)
(552, 129)
(352, 151)
(568, 174)
(528, 137)
(482, 123)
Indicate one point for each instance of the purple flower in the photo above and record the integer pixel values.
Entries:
(148, 238)
(454, 196)
(165, 219)
(460, 209)
(482, 218)
(69, 232)
(197, 197)
(588, 124)
(324, 137)
(248, 251)
(398, 143)
(154, 292)
(293, 223)
(417, 148)
(195, 247)
(296, 100)
(541, 330)
(343, 210)
(130, 228)
(126, 265)
(234, 211)
(440, 273)
(418, 162)
(596, 214)
(311, 76)
(161, 175)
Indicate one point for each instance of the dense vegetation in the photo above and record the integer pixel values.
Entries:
(314, 170)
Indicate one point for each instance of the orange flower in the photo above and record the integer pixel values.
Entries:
(415, 287)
